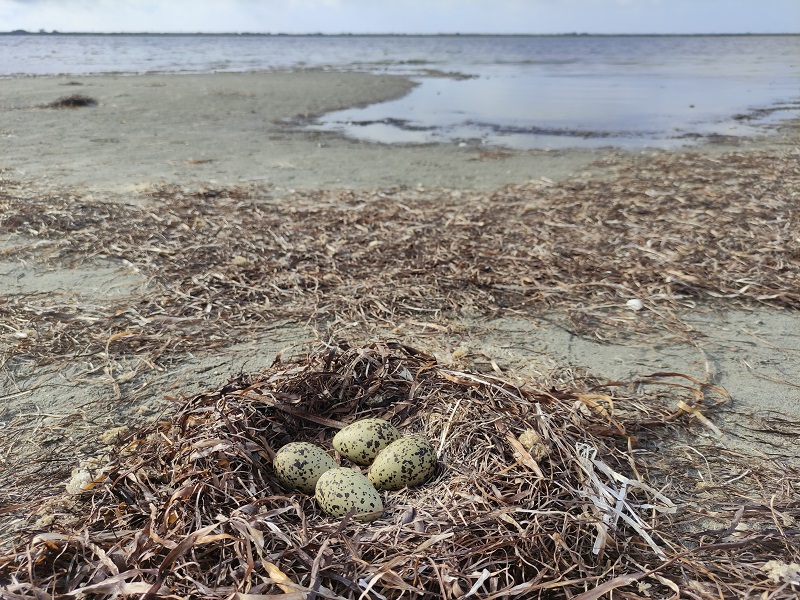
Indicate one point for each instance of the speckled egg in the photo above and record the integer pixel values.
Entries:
(299, 465)
(361, 441)
(340, 490)
(406, 462)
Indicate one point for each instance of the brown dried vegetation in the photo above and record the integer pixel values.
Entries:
(190, 508)
(73, 101)
(670, 230)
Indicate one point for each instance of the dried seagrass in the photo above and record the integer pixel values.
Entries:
(667, 229)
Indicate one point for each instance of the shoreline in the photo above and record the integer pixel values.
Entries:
(230, 129)
(235, 128)
(194, 132)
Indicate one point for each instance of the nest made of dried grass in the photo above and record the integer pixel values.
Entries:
(588, 504)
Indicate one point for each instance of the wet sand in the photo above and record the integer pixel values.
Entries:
(231, 129)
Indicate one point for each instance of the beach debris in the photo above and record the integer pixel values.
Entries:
(634, 304)
(388, 256)
(781, 572)
(79, 482)
(534, 444)
(83, 476)
(114, 435)
(73, 101)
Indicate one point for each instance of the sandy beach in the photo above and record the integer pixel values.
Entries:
(83, 360)
(231, 129)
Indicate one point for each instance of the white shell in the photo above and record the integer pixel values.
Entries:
(340, 490)
(298, 465)
(406, 462)
(361, 441)
(634, 304)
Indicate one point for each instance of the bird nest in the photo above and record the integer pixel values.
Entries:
(552, 488)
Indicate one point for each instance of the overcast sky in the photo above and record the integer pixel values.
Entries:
(404, 16)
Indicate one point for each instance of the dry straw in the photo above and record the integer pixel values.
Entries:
(668, 230)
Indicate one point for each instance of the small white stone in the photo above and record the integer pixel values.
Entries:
(634, 304)
(79, 482)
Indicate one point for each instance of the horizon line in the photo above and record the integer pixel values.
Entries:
(378, 34)
(384, 34)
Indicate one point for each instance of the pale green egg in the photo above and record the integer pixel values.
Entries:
(341, 490)
(363, 440)
(407, 462)
(298, 465)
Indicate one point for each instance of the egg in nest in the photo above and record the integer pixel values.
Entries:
(341, 490)
(363, 440)
(298, 465)
(406, 462)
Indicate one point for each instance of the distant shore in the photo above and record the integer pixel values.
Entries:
(253, 33)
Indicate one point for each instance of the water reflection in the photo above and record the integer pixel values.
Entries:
(526, 91)
(530, 106)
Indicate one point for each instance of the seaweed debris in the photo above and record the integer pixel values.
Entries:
(668, 231)
(73, 101)
(541, 492)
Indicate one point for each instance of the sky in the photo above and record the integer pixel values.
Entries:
(403, 16)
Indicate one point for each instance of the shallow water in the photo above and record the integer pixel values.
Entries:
(519, 91)
(589, 92)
